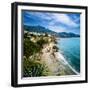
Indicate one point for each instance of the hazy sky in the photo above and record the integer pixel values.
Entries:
(58, 22)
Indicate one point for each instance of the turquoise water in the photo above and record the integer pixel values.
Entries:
(70, 48)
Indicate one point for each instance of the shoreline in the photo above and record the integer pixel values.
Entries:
(61, 57)
(46, 56)
(57, 64)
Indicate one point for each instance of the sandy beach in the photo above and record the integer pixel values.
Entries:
(56, 63)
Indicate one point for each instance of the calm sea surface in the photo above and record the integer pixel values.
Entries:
(70, 48)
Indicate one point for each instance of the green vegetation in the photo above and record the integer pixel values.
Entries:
(55, 48)
(30, 48)
(40, 56)
(32, 66)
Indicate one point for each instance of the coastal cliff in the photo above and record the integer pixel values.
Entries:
(42, 58)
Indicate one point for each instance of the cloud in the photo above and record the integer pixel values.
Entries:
(54, 21)
(64, 19)
(57, 29)
(40, 15)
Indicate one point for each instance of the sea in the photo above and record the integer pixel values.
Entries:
(70, 49)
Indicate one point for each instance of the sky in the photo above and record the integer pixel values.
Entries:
(58, 22)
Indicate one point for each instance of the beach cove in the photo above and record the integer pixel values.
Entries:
(57, 64)
(44, 56)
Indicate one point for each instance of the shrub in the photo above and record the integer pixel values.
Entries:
(30, 48)
(34, 68)
(55, 48)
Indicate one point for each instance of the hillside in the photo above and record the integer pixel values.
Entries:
(40, 29)
(64, 34)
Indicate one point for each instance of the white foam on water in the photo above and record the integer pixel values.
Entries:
(61, 58)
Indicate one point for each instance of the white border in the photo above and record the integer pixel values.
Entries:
(82, 50)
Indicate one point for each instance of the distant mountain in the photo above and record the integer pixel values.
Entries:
(40, 29)
(64, 34)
